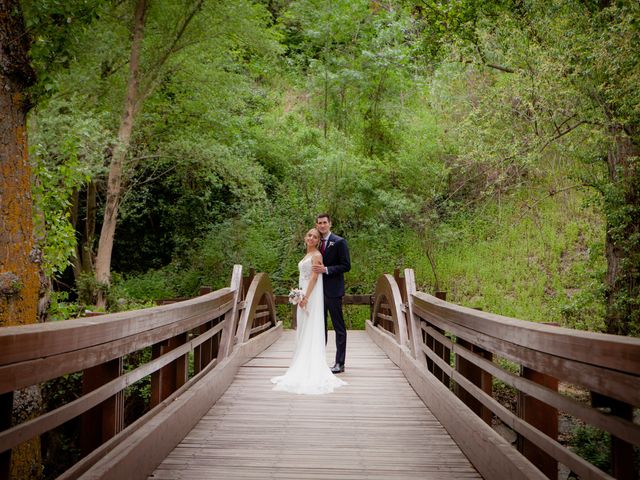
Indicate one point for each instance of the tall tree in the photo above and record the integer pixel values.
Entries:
(19, 259)
(19, 284)
(132, 105)
(139, 87)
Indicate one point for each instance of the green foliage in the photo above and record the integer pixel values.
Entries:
(138, 395)
(60, 308)
(151, 285)
(58, 29)
(60, 446)
(535, 267)
(66, 150)
(460, 138)
(593, 445)
(86, 285)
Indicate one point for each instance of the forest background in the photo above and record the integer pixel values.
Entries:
(491, 146)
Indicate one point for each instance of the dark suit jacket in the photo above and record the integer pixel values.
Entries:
(336, 259)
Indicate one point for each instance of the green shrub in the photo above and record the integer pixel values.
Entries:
(593, 445)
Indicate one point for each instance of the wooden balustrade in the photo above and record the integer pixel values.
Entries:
(451, 355)
(546, 355)
(193, 335)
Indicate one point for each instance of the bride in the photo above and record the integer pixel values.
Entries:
(309, 373)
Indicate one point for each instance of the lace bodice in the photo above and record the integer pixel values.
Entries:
(304, 266)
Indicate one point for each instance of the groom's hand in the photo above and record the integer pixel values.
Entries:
(319, 268)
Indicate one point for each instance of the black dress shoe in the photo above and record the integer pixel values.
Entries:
(337, 368)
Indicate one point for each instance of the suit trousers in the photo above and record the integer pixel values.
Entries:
(334, 306)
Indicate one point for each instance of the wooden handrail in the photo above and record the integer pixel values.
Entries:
(614, 382)
(28, 342)
(39, 364)
(588, 347)
(205, 325)
(455, 346)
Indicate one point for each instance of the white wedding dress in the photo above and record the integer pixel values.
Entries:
(309, 373)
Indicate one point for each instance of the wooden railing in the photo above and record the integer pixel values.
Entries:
(209, 336)
(452, 355)
(360, 300)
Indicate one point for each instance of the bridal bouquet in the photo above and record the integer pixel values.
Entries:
(295, 296)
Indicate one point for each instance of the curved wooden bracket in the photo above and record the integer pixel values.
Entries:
(415, 333)
(230, 319)
(387, 288)
(260, 288)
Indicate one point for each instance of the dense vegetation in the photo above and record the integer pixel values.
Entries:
(490, 146)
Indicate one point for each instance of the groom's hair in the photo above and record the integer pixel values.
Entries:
(323, 215)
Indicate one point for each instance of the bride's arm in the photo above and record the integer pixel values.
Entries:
(315, 260)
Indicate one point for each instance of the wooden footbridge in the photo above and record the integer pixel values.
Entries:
(420, 401)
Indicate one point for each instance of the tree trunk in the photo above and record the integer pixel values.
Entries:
(76, 261)
(19, 283)
(88, 257)
(19, 258)
(622, 242)
(83, 259)
(115, 183)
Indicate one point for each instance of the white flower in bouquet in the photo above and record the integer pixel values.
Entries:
(295, 296)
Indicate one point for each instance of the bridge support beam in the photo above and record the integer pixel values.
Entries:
(171, 377)
(541, 416)
(6, 410)
(439, 349)
(107, 419)
(622, 453)
(478, 377)
(202, 353)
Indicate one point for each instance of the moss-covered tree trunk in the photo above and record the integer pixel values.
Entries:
(19, 283)
(19, 261)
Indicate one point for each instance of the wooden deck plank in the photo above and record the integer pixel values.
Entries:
(375, 428)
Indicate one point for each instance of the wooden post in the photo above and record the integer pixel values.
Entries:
(214, 342)
(228, 336)
(372, 301)
(440, 350)
(246, 281)
(199, 353)
(413, 321)
(294, 317)
(172, 376)
(6, 411)
(402, 284)
(207, 347)
(105, 420)
(541, 416)
(478, 377)
(622, 456)
(204, 290)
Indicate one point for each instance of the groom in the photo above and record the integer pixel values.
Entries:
(335, 259)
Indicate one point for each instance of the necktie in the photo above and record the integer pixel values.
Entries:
(322, 246)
